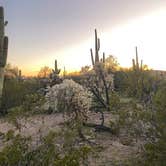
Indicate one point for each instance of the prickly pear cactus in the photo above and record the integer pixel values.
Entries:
(3, 49)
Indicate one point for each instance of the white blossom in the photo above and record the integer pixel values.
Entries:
(69, 97)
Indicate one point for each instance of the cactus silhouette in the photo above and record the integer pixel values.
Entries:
(96, 60)
(19, 75)
(101, 77)
(138, 75)
(55, 75)
(56, 70)
(136, 66)
(3, 49)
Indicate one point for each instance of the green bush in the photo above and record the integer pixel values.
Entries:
(120, 81)
(19, 150)
(156, 150)
(114, 101)
(14, 153)
(159, 99)
(74, 157)
(14, 92)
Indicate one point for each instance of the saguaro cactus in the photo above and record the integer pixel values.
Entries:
(100, 82)
(19, 75)
(136, 65)
(56, 70)
(138, 76)
(3, 49)
(96, 60)
(55, 79)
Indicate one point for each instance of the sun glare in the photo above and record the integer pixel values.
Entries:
(148, 33)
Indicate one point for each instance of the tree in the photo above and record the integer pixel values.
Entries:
(85, 69)
(44, 72)
(111, 64)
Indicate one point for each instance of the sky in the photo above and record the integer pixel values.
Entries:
(41, 31)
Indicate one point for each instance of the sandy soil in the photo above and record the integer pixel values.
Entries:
(39, 125)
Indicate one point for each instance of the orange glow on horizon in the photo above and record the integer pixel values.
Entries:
(34, 73)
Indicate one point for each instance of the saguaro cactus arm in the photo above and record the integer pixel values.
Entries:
(137, 62)
(92, 59)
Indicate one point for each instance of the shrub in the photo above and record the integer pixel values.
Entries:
(74, 157)
(114, 101)
(159, 99)
(120, 81)
(14, 153)
(155, 154)
(20, 150)
(70, 98)
(14, 92)
(133, 121)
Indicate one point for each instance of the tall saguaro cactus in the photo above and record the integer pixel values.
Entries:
(100, 82)
(138, 76)
(3, 50)
(136, 66)
(96, 60)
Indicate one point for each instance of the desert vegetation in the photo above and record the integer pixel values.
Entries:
(105, 115)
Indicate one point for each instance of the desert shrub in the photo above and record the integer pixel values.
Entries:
(14, 92)
(77, 78)
(74, 157)
(70, 98)
(155, 153)
(134, 121)
(159, 99)
(114, 101)
(135, 83)
(19, 150)
(9, 135)
(15, 115)
(32, 105)
(14, 153)
(33, 102)
(115, 127)
(120, 81)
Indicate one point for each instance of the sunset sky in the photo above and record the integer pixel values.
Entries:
(43, 30)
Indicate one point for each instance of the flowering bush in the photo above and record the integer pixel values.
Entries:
(70, 98)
